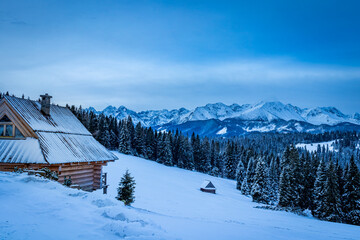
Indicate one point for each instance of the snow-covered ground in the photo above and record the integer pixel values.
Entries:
(168, 205)
(36, 208)
(171, 198)
(313, 146)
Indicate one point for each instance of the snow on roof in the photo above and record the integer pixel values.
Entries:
(64, 148)
(21, 151)
(62, 137)
(207, 184)
(61, 119)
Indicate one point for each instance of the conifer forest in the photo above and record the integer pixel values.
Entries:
(266, 166)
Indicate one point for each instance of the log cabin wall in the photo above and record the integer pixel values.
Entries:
(81, 174)
(97, 175)
(86, 175)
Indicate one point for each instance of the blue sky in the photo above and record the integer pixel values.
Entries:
(171, 54)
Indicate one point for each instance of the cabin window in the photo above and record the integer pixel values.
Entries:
(18, 134)
(8, 129)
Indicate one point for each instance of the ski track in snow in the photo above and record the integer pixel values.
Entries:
(168, 205)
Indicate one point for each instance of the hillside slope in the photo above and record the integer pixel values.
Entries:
(168, 205)
(170, 197)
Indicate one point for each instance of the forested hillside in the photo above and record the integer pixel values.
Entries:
(266, 166)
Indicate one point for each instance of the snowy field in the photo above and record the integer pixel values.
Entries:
(36, 208)
(168, 205)
(313, 146)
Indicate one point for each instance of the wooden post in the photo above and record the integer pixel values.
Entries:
(104, 183)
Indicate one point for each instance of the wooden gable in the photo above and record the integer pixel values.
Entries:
(7, 110)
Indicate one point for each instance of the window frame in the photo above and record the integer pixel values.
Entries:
(13, 136)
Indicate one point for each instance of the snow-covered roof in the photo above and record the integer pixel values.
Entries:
(207, 184)
(61, 137)
(63, 148)
(21, 151)
(61, 119)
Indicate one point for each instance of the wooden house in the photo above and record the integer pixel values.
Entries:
(207, 186)
(37, 134)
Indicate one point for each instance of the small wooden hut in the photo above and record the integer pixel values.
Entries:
(207, 186)
(37, 134)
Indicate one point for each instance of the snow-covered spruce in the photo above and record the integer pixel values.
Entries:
(126, 189)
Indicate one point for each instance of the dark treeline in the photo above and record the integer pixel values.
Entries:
(266, 167)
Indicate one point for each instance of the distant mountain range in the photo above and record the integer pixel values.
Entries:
(230, 120)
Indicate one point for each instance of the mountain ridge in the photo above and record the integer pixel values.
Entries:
(261, 117)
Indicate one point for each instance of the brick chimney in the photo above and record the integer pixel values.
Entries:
(45, 104)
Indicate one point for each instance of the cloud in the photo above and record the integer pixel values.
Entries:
(127, 71)
(147, 84)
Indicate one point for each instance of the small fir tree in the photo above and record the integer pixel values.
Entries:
(126, 189)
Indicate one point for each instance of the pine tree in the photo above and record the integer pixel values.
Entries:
(175, 147)
(126, 189)
(290, 186)
(214, 158)
(330, 204)
(205, 159)
(114, 141)
(240, 174)
(131, 130)
(319, 190)
(307, 181)
(149, 141)
(351, 205)
(314, 165)
(139, 143)
(186, 154)
(165, 155)
(259, 190)
(195, 144)
(248, 180)
(124, 139)
(274, 175)
(230, 160)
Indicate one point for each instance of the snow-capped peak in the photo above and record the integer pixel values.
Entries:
(268, 111)
(325, 115)
(262, 111)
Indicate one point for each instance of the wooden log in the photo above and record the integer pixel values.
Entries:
(74, 168)
(67, 173)
(80, 176)
(82, 180)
